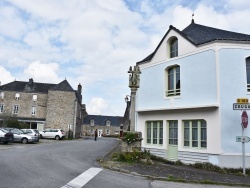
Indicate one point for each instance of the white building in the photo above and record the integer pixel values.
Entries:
(187, 89)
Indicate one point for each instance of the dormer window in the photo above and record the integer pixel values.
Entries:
(92, 122)
(34, 97)
(1, 95)
(17, 96)
(173, 47)
(107, 123)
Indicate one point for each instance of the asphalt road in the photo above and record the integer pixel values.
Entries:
(55, 163)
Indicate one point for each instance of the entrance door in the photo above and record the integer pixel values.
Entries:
(172, 150)
(99, 133)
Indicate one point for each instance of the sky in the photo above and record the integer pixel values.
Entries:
(94, 42)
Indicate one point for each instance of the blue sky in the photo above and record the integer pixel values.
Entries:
(94, 42)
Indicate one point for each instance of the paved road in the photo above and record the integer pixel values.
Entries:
(57, 164)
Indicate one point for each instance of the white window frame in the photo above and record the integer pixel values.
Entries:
(107, 131)
(15, 109)
(176, 90)
(108, 123)
(34, 97)
(33, 110)
(1, 108)
(92, 122)
(2, 95)
(154, 132)
(17, 96)
(191, 126)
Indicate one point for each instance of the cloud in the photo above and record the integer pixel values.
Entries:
(46, 73)
(97, 106)
(5, 76)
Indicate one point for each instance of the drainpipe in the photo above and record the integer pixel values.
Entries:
(74, 124)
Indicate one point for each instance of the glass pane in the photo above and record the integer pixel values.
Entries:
(248, 69)
(194, 143)
(161, 133)
(148, 133)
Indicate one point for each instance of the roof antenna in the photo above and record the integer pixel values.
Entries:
(192, 18)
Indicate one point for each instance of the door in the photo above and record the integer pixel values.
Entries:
(172, 151)
(99, 133)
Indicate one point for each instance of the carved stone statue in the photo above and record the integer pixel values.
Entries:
(134, 77)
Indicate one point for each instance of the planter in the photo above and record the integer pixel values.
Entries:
(130, 147)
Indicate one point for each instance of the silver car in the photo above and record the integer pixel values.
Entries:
(19, 136)
(32, 132)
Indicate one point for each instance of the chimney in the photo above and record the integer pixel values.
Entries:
(79, 89)
(31, 81)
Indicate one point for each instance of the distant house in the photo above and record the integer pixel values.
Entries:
(106, 125)
(43, 105)
(187, 89)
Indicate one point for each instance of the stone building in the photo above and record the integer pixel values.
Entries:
(43, 105)
(106, 125)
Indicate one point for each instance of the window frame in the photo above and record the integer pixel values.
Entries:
(193, 137)
(92, 122)
(173, 47)
(154, 133)
(16, 109)
(173, 81)
(108, 123)
(33, 110)
(2, 95)
(17, 96)
(34, 97)
(1, 108)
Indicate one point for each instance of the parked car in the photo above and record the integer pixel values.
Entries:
(19, 136)
(32, 132)
(6, 136)
(52, 133)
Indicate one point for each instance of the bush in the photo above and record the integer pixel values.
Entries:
(130, 137)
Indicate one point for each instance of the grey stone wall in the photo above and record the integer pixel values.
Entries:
(63, 110)
(25, 102)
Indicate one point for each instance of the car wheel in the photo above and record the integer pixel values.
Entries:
(5, 142)
(24, 140)
(57, 137)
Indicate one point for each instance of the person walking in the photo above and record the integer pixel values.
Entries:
(96, 134)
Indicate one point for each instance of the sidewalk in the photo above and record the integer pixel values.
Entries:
(172, 173)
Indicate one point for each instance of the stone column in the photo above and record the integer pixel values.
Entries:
(134, 83)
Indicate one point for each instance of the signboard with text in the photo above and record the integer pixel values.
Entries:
(239, 106)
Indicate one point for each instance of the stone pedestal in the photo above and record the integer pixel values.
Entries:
(135, 146)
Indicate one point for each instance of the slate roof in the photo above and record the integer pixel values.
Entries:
(200, 34)
(101, 120)
(19, 86)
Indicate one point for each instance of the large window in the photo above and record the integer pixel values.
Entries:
(154, 132)
(173, 81)
(15, 109)
(195, 134)
(248, 73)
(173, 48)
(1, 108)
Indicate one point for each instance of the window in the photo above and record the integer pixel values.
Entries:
(1, 108)
(107, 132)
(107, 123)
(1, 95)
(92, 122)
(154, 132)
(33, 110)
(195, 134)
(173, 81)
(173, 132)
(17, 96)
(15, 109)
(248, 73)
(34, 97)
(173, 48)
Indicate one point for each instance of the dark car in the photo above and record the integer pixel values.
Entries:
(6, 136)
